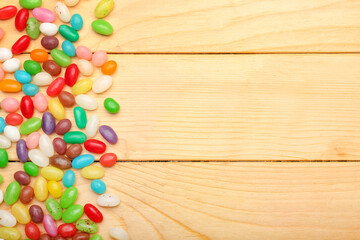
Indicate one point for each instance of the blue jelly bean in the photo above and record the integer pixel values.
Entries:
(2, 124)
(83, 161)
(30, 89)
(76, 22)
(22, 77)
(68, 178)
(98, 186)
(68, 48)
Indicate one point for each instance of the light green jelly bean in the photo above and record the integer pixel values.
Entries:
(33, 28)
(74, 137)
(96, 237)
(102, 27)
(12, 193)
(104, 8)
(68, 33)
(31, 169)
(68, 197)
(4, 158)
(86, 225)
(73, 213)
(30, 4)
(80, 117)
(60, 57)
(54, 208)
(111, 105)
(32, 67)
(30, 126)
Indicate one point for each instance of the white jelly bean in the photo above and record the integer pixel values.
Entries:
(46, 146)
(7, 219)
(4, 142)
(92, 126)
(71, 3)
(42, 79)
(38, 158)
(5, 54)
(102, 84)
(119, 233)
(108, 200)
(48, 29)
(86, 102)
(11, 65)
(1, 196)
(63, 12)
(12, 133)
(85, 67)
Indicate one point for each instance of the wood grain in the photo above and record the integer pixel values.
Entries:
(197, 26)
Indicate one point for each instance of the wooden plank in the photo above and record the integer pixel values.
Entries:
(219, 26)
(247, 201)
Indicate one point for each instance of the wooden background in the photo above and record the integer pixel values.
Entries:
(240, 119)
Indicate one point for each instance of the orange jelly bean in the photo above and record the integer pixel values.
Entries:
(39, 55)
(109, 67)
(10, 86)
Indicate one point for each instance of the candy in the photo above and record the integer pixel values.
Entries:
(32, 231)
(92, 126)
(63, 127)
(98, 186)
(12, 133)
(93, 213)
(40, 188)
(68, 48)
(32, 67)
(4, 144)
(49, 42)
(103, 8)
(56, 87)
(83, 52)
(86, 102)
(31, 169)
(48, 123)
(22, 151)
(60, 161)
(27, 107)
(30, 4)
(108, 133)
(67, 230)
(68, 33)
(99, 58)
(36, 213)
(71, 3)
(68, 197)
(102, 84)
(10, 86)
(21, 19)
(45, 237)
(39, 55)
(56, 108)
(11, 65)
(76, 22)
(10, 104)
(119, 233)
(95, 146)
(33, 28)
(52, 173)
(26, 195)
(12, 193)
(42, 79)
(73, 151)
(46, 147)
(73, 213)
(85, 67)
(20, 46)
(66, 99)
(49, 29)
(108, 159)
(80, 117)
(69, 178)
(92, 172)
(60, 57)
(111, 105)
(22, 177)
(52, 68)
(74, 137)
(2, 124)
(22, 77)
(109, 67)
(81, 87)
(50, 225)
(30, 89)
(102, 27)
(86, 225)
(32, 140)
(38, 158)
(43, 14)
(59, 146)
(63, 12)
(30, 126)
(71, 74)
(7, 219)
(55, 189)
(14, 119)
(83, 161)
(54, 208)
(5, 54)
(108, 200)
(81, 236)
(7, 12)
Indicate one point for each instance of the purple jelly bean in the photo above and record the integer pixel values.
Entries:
(50, 226)
(22, 151)
(108, 133)
(48, 123)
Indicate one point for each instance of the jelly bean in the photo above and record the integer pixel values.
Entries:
(46, 146)
(30, 89)
(38, 158)
(10, 104)
(48, 123)
(92, 126)
(42, 79)
(71, 3)
(14, 119)
(103, 8)
(56, 87)
(63, 12)
(43, 14)
(74, 137)
(68, 33)
(73, 151)
(40, 102)
(22, 151)
(5, 54)
(66, 99)
(86, 225)
(56, 108)
(4, 158)
(85, 67)
(10, 86)
(12, 133)
(80, 117)
(39, 55)
(32, 140)
(11, 65)
(54, 208)
(59, 146)
(99, 58)
(40, 188)
(76, 22)
(45, 237)
(63, 127)
(108, 200)
(36, 213)
(9, 233)
(71, 74)
(102, 84)
(109, 67)
(98, 186)
(102, 27)
(30, 4)
(83, 52)
(2, 124)
(52, 173)
(86, 102)
(96, 237)
(12, 193)
(68, 48)
(21, 19)
(81, 236)
(111, 105)
(31, 169)
(93, 213)
(21, 213)
(60, 57)
(33, 28)
(67, 230)
(108, 159)
(69, 178)
(95, 146)
(52, 68)
(32, 231)
(30, 126)
(32, 67)
(7, 219)
(68, 197)
(55, 189)
(7, 12)
(22, 177)
(27, 106)
(108, 133)
(73, 213)
(22, 77)
(26, 195)
(4, 142)
(60, 161)
(119, 233)
(49, 42)
(50, 226)
(83, 161)
(20, 45)
(92, 172)
(49, 29)
(81, 87)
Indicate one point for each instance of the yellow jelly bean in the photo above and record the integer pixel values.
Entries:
(55, 189)
(21, 213)
(9, 233)
(52, 173)
(82, 86)
(56, 108)
(92, 172)
(40, 189)
(104, 8)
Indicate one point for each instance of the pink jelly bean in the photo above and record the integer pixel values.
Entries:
(32, 140)
(50, 226)
(40, 102)
(2, 73)
(83, 52)
(2, 33)
(43, 14)
(99, 58)
(10, 104)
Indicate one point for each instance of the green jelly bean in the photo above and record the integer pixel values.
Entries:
(60, 57)
(68, 33)
(33, 28)
(54, 208)
(30, 4)
(102, 27)
(31, 169)
(80, 117)
(86, 225)
(68, 197)
(12, 193)
(73, 213)
(75, 137)
(104, 8)
(4, 158)
(30, 126)
(32, 67)
(111, 105)
(96, 237)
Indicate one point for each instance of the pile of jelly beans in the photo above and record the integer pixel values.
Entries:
(50, 160)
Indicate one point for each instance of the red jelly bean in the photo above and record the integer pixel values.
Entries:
(32, 231)
(71, 74)
(93, 213)
(67, 230)
(21, 45)
(14, 119)
(108, 159)
(27, 106)
(21, 19)
(95, 146)
(7, 12)
(56, 87)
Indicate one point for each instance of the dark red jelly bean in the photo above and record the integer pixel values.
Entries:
(27, 107)
(108, 159)
(59, 146)
(71, 74)
(67, 230)
(32, 231)
(14, 119)
(21, 19)
(56, 87)
(22, 177)
(93, 213)
(36, 213)
(45, 237)
(21, 44)
(7, 12)
(95, 146)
